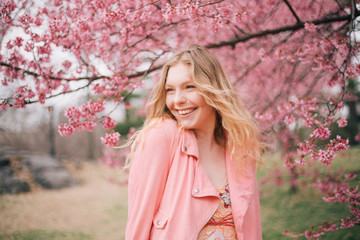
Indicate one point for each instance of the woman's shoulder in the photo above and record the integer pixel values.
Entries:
(167, 123)
(162, 128)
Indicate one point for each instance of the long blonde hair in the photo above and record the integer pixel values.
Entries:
(235, 126)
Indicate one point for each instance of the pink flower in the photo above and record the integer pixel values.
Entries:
(66, 64)
(108, 123)
(321, 133)
(310, 27)
(111, 139)
(4, 105)
(66, 129)
(18, 41)
(327, 227)
(350, 176)
(289, 119)
(88, 125)
(342, 122)
(305, 148)
(347, 223)
(300, 161)
(113, 158)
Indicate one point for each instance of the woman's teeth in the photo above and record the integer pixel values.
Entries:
(183, 112)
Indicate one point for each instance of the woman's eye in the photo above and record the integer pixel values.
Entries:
(168, 90)
(190, 86)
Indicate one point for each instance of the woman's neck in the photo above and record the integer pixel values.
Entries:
(205, 140)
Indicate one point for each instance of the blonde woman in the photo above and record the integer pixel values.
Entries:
(192, 170)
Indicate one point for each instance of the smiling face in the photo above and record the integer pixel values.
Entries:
(185, 102)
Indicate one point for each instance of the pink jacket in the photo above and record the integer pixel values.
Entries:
(170, 195)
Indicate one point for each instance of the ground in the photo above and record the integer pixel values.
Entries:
(94, 209)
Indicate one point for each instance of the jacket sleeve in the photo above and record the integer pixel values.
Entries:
(252, 221)
(147, 178)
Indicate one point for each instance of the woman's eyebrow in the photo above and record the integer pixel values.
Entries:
(183, 83)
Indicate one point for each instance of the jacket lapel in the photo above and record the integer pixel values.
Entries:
(202, 186)
(241, 184)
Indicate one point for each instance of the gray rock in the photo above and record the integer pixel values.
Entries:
(39, 162)
(4, 162)
(46, 171)
(15, 186)
(54, 178)
(9, 183)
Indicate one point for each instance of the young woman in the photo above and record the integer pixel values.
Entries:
(192, 170)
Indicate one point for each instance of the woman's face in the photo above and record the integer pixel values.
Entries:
(185, 102)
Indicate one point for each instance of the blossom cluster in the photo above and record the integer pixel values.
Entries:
(113, 158)
(111, 139)
(22, 94)
(82, 118)
(335, 190)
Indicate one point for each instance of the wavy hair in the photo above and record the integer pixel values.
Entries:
(235, 128)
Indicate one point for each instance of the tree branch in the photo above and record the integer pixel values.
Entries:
(264, 33)
(90, 79)
(293, 11)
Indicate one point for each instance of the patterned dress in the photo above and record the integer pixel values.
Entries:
(221, 225)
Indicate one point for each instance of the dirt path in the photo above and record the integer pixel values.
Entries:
(96, 206)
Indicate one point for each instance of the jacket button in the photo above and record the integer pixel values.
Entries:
(184, 149)
(196, 190)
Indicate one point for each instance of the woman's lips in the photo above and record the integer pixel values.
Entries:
(185, 112)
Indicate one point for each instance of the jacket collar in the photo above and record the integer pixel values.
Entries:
(189, 144)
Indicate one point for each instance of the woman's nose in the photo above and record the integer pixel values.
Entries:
(179, 97)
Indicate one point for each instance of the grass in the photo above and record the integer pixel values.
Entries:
(96, 209)
(45, 235)
(297, 212)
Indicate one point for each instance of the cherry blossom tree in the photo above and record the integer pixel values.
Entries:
(290, 61)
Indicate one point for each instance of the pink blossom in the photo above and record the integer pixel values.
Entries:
(327, 227)
(111, 139)
(4, 105)
(113, 158)
(313, 234)
(9, 45)
(342, 122)
(310, 27)
(347, 223)
(217, 23)
(66, 64)
(108, 123)
(305, 147)
(169, 13)
(29, 46)
(66, 129)
(350, 175)
(18, 41)
(72, 113)
(131, 132)
(321, 133)
(300, 161)
(289, 119)
(88, 125)
(339, 144)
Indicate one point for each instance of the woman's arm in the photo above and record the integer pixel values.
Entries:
(147, 179)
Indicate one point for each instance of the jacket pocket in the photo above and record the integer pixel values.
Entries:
(160, 220)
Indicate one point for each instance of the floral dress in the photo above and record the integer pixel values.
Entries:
(221, 225)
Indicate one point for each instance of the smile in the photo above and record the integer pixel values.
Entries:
(185, 112)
